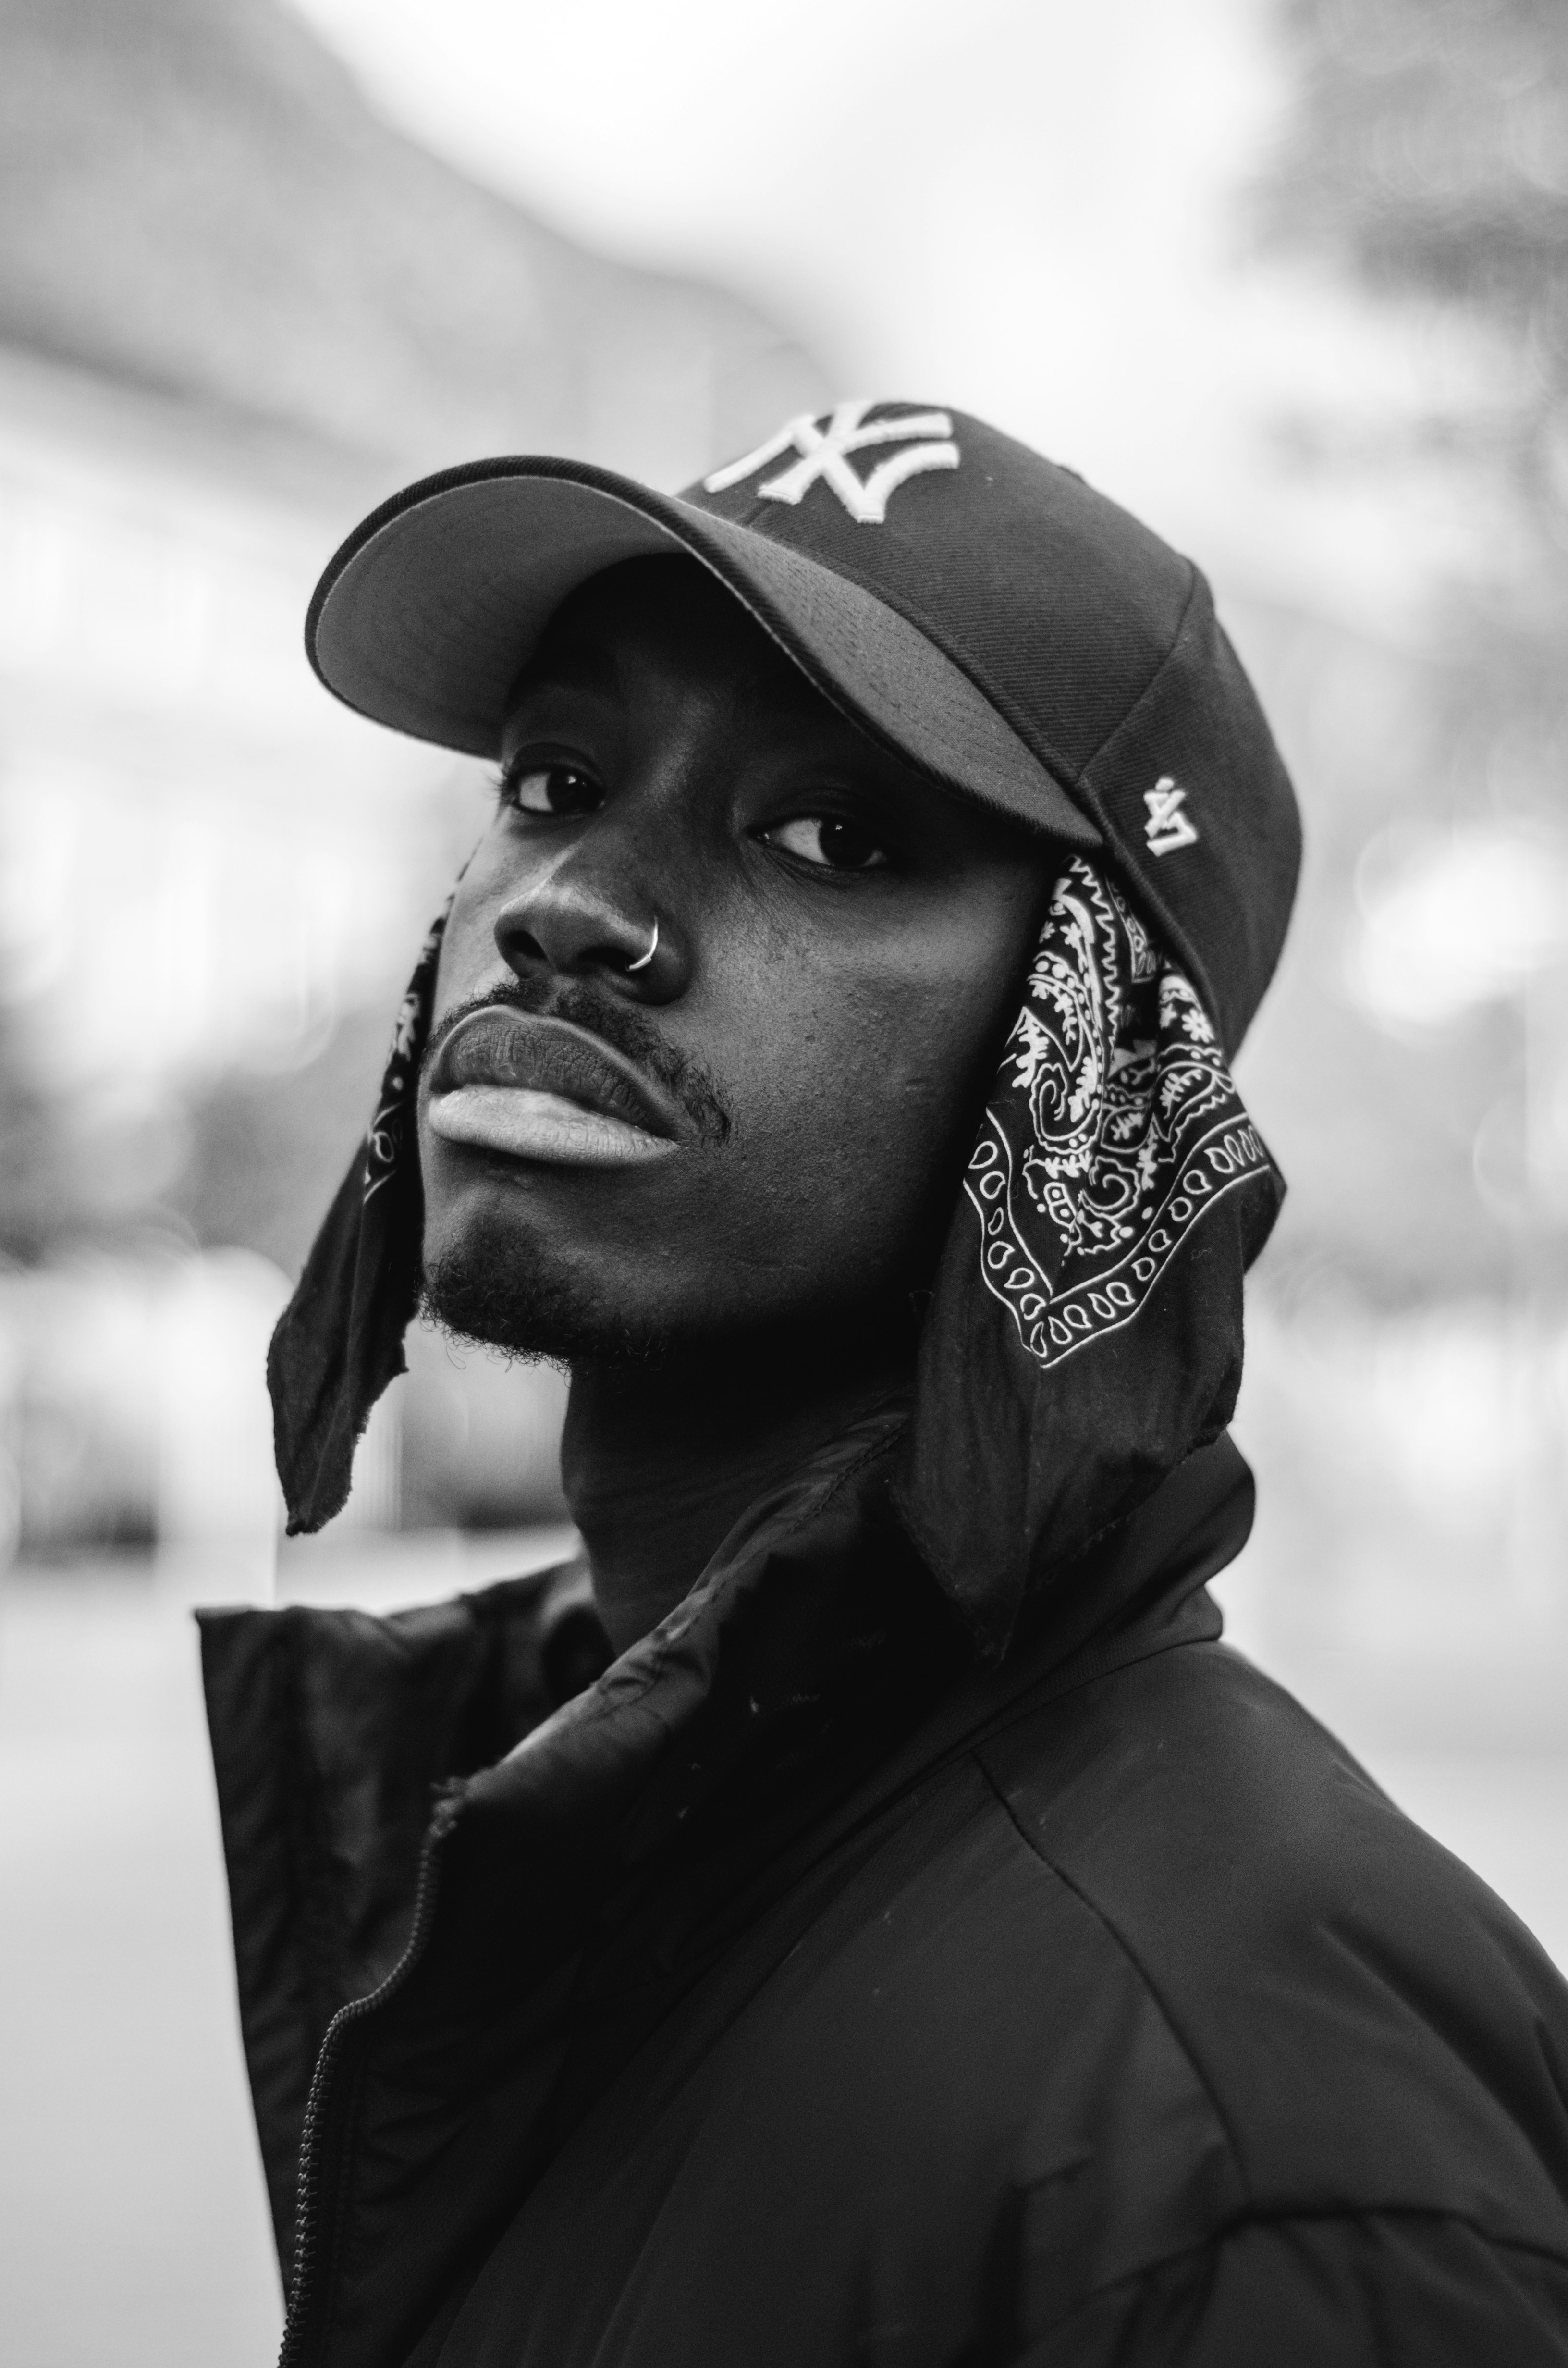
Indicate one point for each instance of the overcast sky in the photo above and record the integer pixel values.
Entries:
(1034, 208)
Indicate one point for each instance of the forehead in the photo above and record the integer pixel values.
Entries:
(670, 620)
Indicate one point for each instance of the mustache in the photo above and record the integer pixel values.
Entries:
(683, 1075)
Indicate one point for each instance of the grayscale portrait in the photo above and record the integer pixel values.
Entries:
(784, 1053)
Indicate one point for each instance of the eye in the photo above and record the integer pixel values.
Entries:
(830, 841)
(558, 790)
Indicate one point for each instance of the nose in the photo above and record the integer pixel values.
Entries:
(578, 929)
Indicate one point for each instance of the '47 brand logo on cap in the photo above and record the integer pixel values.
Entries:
(1167, 828)
(925, 436)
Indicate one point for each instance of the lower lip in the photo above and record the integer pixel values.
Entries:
(524, 1124)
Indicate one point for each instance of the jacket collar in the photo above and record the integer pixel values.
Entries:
(573, 1890)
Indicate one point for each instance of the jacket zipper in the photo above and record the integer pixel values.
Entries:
(306, 2269)
(302, 2283)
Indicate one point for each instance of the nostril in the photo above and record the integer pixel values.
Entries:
(572, 933)
(517, 944)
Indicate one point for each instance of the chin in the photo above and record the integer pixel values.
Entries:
(489, 1287)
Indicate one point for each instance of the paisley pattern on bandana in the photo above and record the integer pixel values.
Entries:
(1114, 1128)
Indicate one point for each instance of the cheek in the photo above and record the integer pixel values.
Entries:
(468, 960)
(859, 1116)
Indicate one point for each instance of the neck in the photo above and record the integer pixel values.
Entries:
(660, 1461)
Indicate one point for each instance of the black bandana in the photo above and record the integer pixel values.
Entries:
(339, 1340)
(1085, 1331)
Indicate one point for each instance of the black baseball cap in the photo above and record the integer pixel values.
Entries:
(972, 606)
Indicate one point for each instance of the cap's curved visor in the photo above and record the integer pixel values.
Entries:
(428, 613)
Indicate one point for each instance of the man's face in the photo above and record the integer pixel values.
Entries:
(763, 1125)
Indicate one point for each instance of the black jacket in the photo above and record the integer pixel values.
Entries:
(795, 1996)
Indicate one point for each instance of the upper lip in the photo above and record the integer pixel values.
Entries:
(502, 1046)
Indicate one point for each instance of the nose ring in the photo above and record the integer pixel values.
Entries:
(643, 961)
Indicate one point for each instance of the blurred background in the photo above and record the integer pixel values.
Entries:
(1290, 278)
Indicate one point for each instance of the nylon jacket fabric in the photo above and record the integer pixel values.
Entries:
(800, 1991)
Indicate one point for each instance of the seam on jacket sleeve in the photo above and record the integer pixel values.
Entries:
(1044, 2352)
(1086, 1668)
(1131, 1955)
(1308, 2216)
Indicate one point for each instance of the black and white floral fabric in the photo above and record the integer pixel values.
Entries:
(1115, 1127)
(1085, 1334)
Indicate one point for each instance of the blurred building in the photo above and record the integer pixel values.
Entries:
(235, 310)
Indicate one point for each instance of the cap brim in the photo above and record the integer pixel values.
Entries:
(427, 616)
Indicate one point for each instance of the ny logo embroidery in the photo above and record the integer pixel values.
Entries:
(1167, 828)
(827, 455)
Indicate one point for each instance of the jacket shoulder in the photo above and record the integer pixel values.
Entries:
(330, 1730)
(1374, 2029)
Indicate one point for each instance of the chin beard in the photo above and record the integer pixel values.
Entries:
(479, 1293)
(526, 1306)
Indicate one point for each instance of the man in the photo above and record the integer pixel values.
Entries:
(866, 1915)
